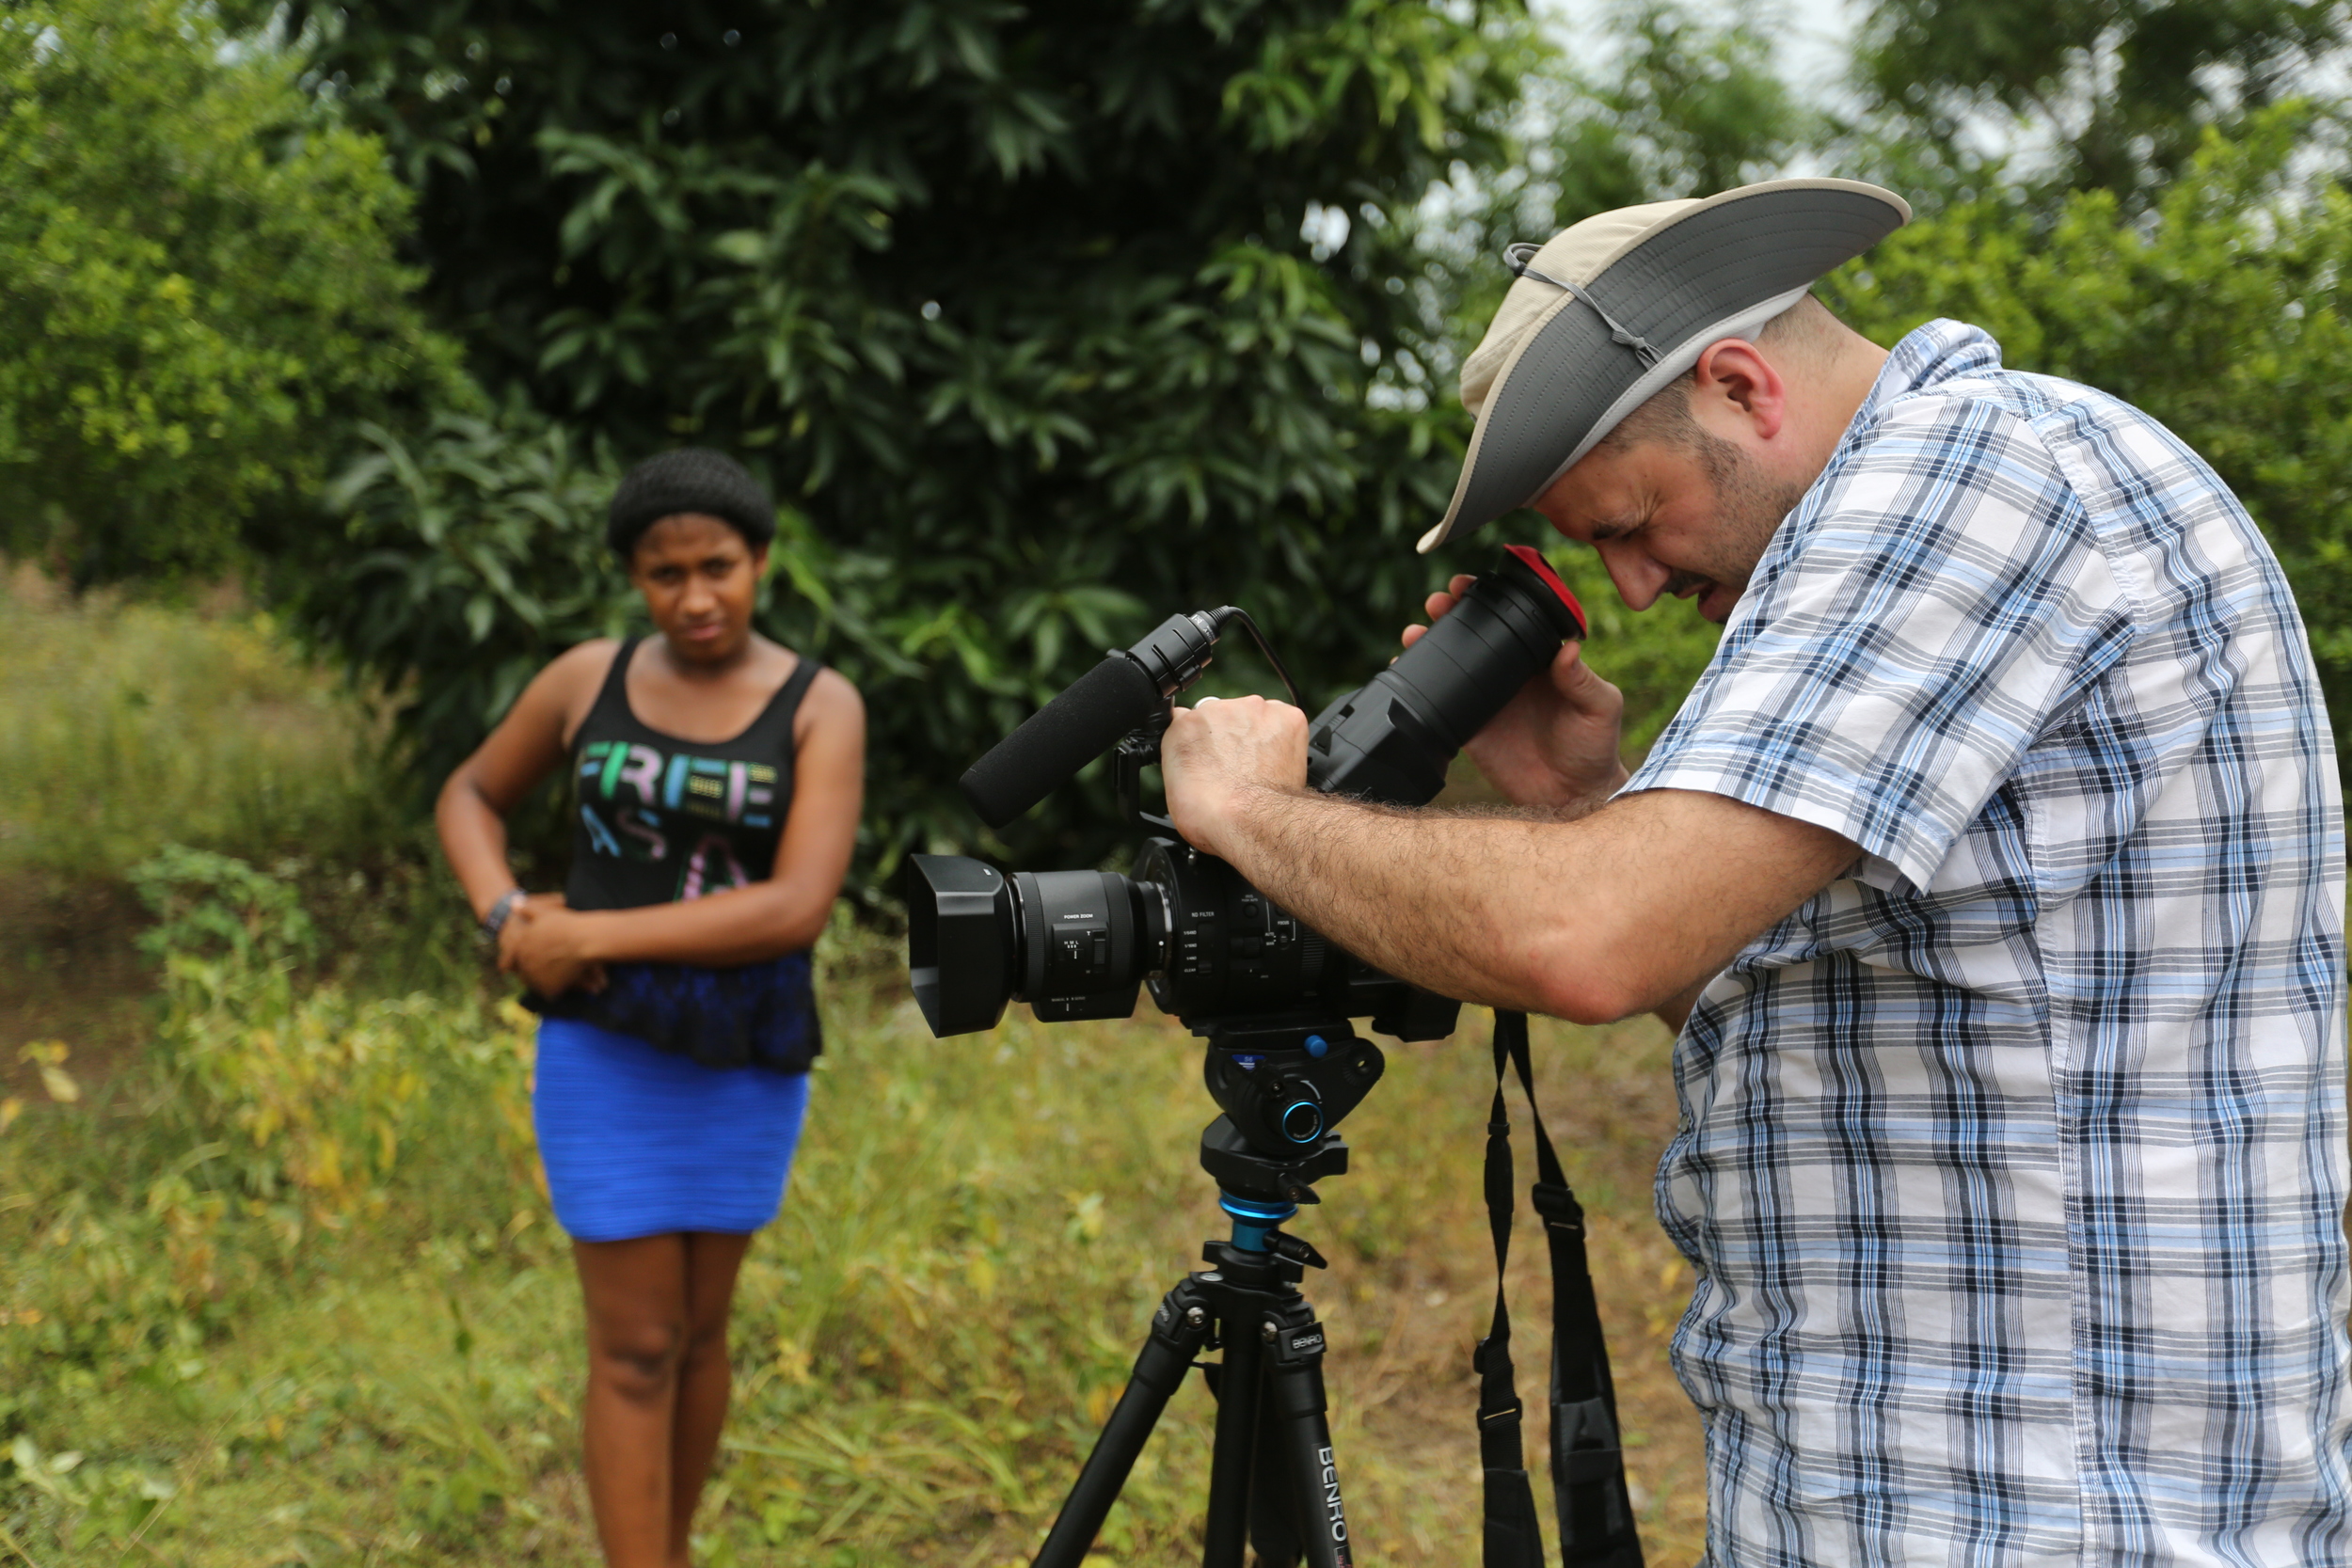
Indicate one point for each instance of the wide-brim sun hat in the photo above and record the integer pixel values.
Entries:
(1607, 311)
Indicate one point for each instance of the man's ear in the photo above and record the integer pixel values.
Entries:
(1736, 383)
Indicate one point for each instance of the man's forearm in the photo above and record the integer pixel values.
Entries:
(1592, 918)
(1462, 904)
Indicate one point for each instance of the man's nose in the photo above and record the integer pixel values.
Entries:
(1639, 579)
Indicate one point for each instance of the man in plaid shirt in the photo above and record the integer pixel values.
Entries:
(1993, 873)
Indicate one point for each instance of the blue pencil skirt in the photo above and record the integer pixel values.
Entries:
(639, 1142)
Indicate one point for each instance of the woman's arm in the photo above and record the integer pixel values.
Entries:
(765, 920)
(526, 747)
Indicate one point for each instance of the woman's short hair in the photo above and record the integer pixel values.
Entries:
(691, 479)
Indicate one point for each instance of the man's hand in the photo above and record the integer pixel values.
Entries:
(1217, 755)
(1555, 744)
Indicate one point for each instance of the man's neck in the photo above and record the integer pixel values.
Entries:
(1836, 393)
(1850, 378)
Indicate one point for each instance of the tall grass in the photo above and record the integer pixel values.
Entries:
(284, 1288)
(291, 1290)
(124, 726)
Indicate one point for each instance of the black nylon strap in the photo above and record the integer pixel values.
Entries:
(1588, 1485)
(1513, 1537)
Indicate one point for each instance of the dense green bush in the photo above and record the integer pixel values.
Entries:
(1043, 322)
(197, 290)
(2223, 313)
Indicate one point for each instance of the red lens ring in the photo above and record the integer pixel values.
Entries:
(1533, 560)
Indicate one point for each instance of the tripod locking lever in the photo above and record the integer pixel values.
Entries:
(1297, 1251)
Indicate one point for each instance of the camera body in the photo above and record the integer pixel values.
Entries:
(1215, 951)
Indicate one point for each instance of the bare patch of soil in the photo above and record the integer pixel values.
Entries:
(70, 971)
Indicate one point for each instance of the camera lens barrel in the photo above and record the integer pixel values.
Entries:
(1082, 942)
(1391, 739)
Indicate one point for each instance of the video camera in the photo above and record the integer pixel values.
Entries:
(1273, 997)
(1216, 952)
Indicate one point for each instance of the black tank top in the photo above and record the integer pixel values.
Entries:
(662, 819)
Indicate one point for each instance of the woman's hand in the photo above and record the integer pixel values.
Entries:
(1556, 742)
(544, 943)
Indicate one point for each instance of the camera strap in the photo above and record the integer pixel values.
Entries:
(1588, 1485)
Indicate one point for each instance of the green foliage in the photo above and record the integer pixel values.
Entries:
(1044, 323)
(200, 287)
(472, 550)
(2121, 91)
(211, 906)
(2223, 315)
(1689, 108)
(243, 1324)
(274, 1116)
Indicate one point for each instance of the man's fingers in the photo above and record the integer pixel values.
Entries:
(1574, 679)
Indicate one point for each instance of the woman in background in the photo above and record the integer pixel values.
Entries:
(718, 777)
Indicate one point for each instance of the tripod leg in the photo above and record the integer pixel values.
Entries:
(1233, 1459)
(1178, 1330)
(1294, 1392)
(1274, 1517)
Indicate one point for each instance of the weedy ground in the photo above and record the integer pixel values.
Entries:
(281, 1284)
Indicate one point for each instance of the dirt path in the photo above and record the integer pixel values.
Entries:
(71, 971)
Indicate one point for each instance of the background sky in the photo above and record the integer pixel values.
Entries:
(1813, 35)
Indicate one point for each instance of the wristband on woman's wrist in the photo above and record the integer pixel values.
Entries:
(495, 922)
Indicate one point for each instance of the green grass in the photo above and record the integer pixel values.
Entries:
(132, 725)
(283, 1287)
(975, 1237)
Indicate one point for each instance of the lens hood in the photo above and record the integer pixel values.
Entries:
(962, 942)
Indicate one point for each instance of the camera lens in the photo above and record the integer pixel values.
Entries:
(1071, 943)
(1391, 739)
(1082, 955)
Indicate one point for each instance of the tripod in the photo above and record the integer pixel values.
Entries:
(1273, 1483)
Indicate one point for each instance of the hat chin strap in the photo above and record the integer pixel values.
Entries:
(1653, 380)
(1745, 324)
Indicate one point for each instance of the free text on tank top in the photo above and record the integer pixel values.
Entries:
(661, 819)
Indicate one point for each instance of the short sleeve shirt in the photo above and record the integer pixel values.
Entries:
(2012, 1165)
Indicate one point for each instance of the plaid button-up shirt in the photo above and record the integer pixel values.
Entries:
(2012, 1165)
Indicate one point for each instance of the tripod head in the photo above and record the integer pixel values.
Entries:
(1283, 1087)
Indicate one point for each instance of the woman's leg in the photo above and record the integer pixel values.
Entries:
(636, 1294)
(711, 1263)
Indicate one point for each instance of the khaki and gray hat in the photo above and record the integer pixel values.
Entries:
(1605, 314)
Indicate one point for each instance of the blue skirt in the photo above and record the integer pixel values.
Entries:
(638, 1142)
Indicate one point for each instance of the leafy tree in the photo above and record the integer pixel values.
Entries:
(2120, 89)
(196, 286)
(1694, 107)
(1675, 105)
(1043, 320)
(2227, 314)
